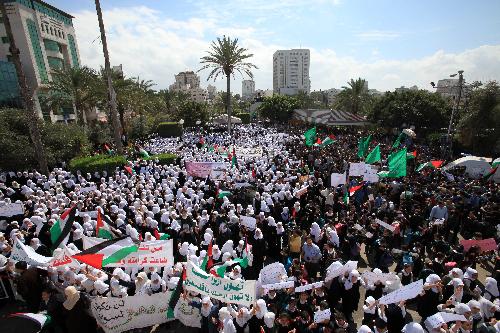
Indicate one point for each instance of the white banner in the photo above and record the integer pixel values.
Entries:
(337, 179)
(248, 152)
(186, 314)
(88, 189)
(321, 316)
(225, 290)
(216, 170)
(248, 222)
(116, 315)
(347, 267)
(371, 277)
(272, 273)
(279, 285)
(385, 225)
(357, 169)
(301, 192)
(22, 252)
(370, 175)
(404, 293)
(12, 209)
(64, 259)
(157, 253)
(309, 287)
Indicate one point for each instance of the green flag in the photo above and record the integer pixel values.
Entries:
(398, 140)
(373, 156)
(397, 165)
(363, 146)
(327, 141)
(310, 136)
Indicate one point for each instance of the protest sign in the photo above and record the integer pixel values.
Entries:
(309, 286)
(22, 252)
(248, 152)
(88, 189)
(64, 259)
(370, 175)
(321, 316)
(347, 267)
(301, 192)
(441, 318)
(337, 179)
(438, 222)
(158, 253)
(485, 245)
(371, 277)
(225, 290)
(404, 293)
(11, 209)
(272, 273)
(357, 169)
(187, 314)
(368, 234)
(216, 170)
(248, 222)
(279, 285)
(115, 315)
(385, 225)
(448, 317)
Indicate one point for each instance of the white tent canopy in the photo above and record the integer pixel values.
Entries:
(475, 167)
(223, 119)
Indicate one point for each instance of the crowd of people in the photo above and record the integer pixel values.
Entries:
(309, 231)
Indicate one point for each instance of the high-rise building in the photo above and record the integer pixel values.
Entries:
(212, 91)
(188, 82)
(448, 88)
(247, 89)
(291, 71)
(46, 40)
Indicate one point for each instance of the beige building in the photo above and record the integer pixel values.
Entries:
(247, 89)
(188, 82)
(291, 71)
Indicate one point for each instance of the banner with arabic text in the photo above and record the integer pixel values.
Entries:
(216, 170)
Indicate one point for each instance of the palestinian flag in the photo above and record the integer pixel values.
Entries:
(353, 189)
(219, 270)
(159, 236)
(144, 154)
(107, 252)
(176, 295)
(234, 162)
(59, 232)
(327, 141)
(431, 164)
(346, 198)
(207, 261)
(108, 150)
(490, 173)
(411, 155)
(130, 170)
(222, 194)
(103, 229)
(24, 322)
(495, 163)
(318, 142)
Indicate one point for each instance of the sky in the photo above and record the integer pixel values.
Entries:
(388, 43)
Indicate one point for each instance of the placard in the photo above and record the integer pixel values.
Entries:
(279, 285)
(309, 286)
(11, 209)
(248, 152)
(225, 290)
(21, 252)
(404, 293)
(488, 244)
(357, 169)
(321, 316)
(187, 314)
(301, 192)
(216, 170)
(385, 225)
(272, 273)
(337, 179)
(64, 259)
(371, 277)
(347, 267)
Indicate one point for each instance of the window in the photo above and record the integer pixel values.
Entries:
(59, 33)
(63, 35)
(51, 31)
(5, 40)
(43, 29)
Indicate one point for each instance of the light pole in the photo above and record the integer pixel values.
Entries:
(455, 109)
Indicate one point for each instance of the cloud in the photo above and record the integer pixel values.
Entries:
(377, 35)
(155, 47)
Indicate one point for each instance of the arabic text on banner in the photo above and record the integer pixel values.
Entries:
(215, 170)
(12, 209)
(404, 293)
(21, 252)
(226, 290)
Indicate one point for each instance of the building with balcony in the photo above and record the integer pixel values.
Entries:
(291, 71)
(46, 40)
(189, 83)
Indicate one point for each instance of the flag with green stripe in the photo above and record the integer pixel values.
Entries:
(59, 232)
(107, 252)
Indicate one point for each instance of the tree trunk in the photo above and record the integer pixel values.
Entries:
(27, 96)
(111, 91)
(228, 104)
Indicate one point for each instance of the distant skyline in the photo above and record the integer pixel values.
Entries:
(388, 43)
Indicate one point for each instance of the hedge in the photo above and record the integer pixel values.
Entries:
(245, 117)
(169, 129)
(91, 164)
(164, 159)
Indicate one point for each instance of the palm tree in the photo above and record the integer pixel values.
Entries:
(111, 92)
(27, 96)
(354, 97)
(75, 85)
(226, 57)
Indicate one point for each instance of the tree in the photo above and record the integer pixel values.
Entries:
(192, 112)
(278, 108)
(78, 86)
(27, 96)
(354, 98)
(111, 92)
(226, 57)
(413, 107)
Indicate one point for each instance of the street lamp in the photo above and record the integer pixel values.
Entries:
(455, 109)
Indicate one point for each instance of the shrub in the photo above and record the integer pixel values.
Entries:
(165, 159)
(245, 117)
(95, 163)
(169, 129)
(140, 127)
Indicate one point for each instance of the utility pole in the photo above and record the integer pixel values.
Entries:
(455, 109)
(27, 96)
(111, 92)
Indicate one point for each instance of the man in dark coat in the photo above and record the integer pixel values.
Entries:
(29, 285)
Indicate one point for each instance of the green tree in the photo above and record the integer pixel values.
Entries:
(278, 108)
(78, 86)
(418, 107)
(480, 122)
(193, 111)
(354, 97)
(226, 57)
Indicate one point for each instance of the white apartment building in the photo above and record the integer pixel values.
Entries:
(46, 40)
(448, 88)
(247, 89)
(188, 82)
(291, 71)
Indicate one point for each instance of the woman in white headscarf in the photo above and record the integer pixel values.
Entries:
(75, 314)
(350, 294)
(258, 312)
(429, 299)
(490, 289)
(315, 231)
(228, 246)
(470, 278)
(226, 320)
(236, 273)
(142, 284)
(116, 289)
(488, 309)
(413, 328)
(333, 237)
(100, 288)
(157, 284)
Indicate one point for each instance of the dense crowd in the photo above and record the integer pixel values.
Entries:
(310, 232)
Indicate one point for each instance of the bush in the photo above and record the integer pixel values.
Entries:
(164, 159)
(169, 129)
(245, 117)
(91, 164)
(140, 127)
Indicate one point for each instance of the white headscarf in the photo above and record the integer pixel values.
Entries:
(205, 311)
(72, 297)
(333, 237)
(488, 309)
(491, 286)
(315, 231)
(431, 279)
(262, 308)
(413, 328)
(348, 281)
